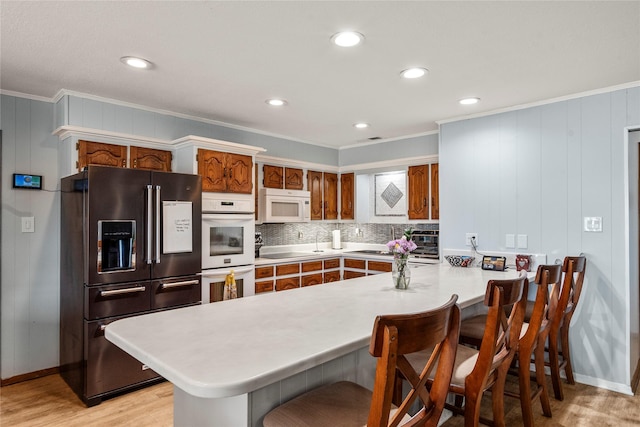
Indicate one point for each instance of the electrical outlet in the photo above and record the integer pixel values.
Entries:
(470, 236)
(300, 234)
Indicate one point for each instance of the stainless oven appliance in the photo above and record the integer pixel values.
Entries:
(427, 244)
(228, 243)
(130, 244)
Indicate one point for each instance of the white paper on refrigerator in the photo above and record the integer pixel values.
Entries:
(177, 227)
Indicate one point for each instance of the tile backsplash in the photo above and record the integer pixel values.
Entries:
(301, 233)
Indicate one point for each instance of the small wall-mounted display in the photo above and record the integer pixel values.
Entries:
(22, 180)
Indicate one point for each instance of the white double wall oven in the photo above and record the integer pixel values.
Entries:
(228, 243)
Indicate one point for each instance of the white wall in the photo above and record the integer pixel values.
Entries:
(538, 171)
(30, 261)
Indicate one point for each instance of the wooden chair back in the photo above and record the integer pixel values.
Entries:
(506, 300)
(574, 269)
(393, 337)
(548, 279)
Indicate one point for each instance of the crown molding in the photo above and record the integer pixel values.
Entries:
(280, 161)
(64, 132)
(545, 102)
(233, 147)
(26, 95)
(403, 162)
(64, 92)
(383, 140)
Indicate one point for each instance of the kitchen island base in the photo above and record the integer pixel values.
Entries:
(249, 409)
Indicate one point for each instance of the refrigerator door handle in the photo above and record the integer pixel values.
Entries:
(149, 259)
(178, 284)
(157, 224)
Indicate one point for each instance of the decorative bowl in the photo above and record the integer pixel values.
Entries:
(459, 260)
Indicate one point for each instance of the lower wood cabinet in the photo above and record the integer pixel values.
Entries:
(348, 274)
(280, 277)
(378, 266)
(264, 286)
(287, 283)
(331, 276)
(312, 279)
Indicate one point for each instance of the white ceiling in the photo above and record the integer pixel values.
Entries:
(220, 60)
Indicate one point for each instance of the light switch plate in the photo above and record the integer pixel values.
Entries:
(510, 241)
(593, 224)
(522, 241)
(28, 224)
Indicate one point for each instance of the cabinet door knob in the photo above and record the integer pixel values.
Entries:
(224, 173)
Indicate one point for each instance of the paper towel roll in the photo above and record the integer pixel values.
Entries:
(336, 239)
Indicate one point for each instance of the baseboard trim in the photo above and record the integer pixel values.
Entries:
(636, 378)
(600, 383)
(29, 376)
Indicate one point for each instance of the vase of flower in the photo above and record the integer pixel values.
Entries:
(401, 248)
(400, 272)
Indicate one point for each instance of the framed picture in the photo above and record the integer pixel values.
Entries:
(391, 194)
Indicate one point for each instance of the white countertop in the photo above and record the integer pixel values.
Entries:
(304, 252)
(234, 347)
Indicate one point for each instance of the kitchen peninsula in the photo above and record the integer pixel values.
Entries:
(231, 362)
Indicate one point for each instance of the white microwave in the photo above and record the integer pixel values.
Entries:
(277, 205)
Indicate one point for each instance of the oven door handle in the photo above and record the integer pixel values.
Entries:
(216, 274)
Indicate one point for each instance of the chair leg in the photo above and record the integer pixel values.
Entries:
(541, 379)
(497, 396)
(566, 355)
(554, 365)
(472, 409)
(524, 379)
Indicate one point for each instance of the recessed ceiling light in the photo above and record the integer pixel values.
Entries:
(469, 101)
(135, 62)
(361, 125)
(414, 73)
(347, 38)
(275, 102)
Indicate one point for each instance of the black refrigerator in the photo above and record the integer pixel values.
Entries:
(130, 245)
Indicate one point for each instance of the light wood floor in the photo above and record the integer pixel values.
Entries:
(49, 402)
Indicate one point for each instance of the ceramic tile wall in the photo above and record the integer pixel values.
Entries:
(302, 233)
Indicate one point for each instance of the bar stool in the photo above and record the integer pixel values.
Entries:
(532, 341)
(559, 350)
(479, 370)
(348, 404)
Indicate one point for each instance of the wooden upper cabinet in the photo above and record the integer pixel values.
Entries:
(330, 195)
(435, 202)
(272, 176)
(225, 172)
(211, 167)
(99, 153)
(418, 192)
(314, 185)
(239, 173)
(347, 196)
(150, 158)
(293, 179)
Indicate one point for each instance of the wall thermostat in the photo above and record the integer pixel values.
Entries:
(22, 180)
